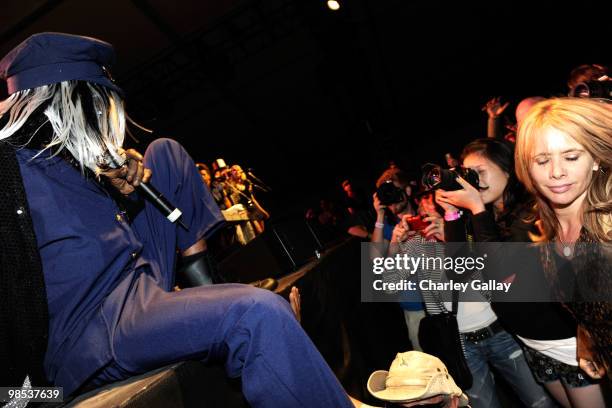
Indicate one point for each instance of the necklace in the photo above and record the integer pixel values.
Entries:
(567, 249)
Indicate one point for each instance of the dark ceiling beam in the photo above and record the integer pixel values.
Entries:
(28, 20)
(177, 40)
(212, 53)
(145, 8)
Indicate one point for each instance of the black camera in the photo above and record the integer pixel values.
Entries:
(388, 193)
(593, 89)
(435, 177)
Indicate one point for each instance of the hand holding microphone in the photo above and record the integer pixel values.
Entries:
(132, 175)
(129, 174)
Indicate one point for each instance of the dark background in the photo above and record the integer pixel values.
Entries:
(306, 96)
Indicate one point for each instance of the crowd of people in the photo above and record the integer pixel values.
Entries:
(98, 303)
(545, 178)
(234, 193)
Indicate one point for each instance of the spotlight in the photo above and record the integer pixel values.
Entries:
(333, 5)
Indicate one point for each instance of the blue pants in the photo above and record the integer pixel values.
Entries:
(252, 331)
(503, 353)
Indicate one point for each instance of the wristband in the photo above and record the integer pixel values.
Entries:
(379, 225)
(452, 216)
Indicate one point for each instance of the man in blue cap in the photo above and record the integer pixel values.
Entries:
(86, 285)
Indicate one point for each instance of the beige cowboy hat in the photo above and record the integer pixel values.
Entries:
(414, 376)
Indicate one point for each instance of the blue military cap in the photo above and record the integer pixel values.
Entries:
(48, 58)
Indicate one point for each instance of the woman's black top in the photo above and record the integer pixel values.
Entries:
(532, 320)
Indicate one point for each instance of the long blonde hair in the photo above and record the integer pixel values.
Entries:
(588, 122)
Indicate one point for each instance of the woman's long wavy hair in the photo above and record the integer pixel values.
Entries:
(501, 152)
(588, 122)
(88, 120)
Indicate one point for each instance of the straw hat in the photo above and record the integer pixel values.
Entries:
(414, 376)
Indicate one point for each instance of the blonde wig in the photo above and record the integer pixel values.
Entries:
(88, 120)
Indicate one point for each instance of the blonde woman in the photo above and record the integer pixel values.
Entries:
(564, 158)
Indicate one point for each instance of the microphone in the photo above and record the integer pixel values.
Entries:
(170, 211)
(261, 185)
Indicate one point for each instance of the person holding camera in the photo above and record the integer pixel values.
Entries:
(413, 235)
(400, 231)
(590, 81)
(491, 190)
(497, 210)
(391, 202)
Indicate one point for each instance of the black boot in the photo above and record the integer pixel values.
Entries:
(201, 269)
(197, 270)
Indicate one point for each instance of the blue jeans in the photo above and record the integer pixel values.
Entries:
(504, 354)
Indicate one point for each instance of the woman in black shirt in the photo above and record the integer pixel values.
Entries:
(497, 212)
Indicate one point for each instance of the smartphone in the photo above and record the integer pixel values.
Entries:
(416, 223)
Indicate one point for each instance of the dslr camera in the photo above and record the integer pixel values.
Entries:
(389, 194)
(435, 177)
(593, 89)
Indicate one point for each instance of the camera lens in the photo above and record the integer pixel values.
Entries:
(593, 89)
(432, 176)
(435, 177)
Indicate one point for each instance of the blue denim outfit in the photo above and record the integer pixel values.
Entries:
(505, 355)
(109, 287)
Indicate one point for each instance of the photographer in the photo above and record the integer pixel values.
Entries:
(393, 206)
(411, 236)
(391, 202)
(587, 76)
(496, 212)
(497, 196)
